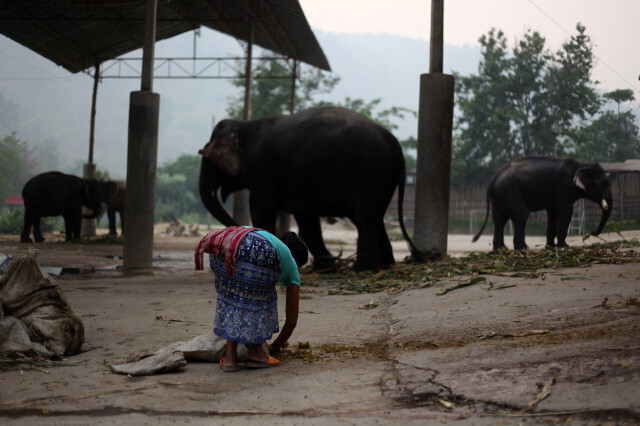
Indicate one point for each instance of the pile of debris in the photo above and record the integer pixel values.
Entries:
(178, 229)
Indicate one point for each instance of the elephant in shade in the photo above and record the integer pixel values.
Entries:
(544, 183)
(55, 194)
(325, 161)
(113, 193)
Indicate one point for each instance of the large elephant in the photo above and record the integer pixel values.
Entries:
(55, 194)
(325, 161)
(113, 193)
(544, 183)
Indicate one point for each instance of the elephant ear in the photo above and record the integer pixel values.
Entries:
(223, 152)
(580, 179)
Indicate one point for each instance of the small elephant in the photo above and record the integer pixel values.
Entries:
(55, 194)
(113, 193)
(325, 161)
(544, 183)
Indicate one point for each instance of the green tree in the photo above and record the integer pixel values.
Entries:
(612, 136)
(483, 138)
(619, 96)
(609, 138)
(25, 164)
(271, 90)
(8, 115)
(386, 117)
(409, 147)
(524, 101)
(10, 165)
(177, 188)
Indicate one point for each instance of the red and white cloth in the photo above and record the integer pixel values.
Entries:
(225, 241)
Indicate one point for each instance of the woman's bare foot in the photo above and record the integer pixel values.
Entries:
(255, 353)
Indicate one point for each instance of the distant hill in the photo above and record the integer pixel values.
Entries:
(52, 107)
(388, 67)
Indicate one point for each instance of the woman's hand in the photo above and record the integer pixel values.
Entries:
(292, 307)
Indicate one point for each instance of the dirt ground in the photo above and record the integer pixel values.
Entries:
(561, 347)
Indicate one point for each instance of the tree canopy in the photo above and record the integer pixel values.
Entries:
(17, 165)
(271, 90)
(177, 188)
(525, 100)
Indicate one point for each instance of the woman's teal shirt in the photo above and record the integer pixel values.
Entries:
(290, 274)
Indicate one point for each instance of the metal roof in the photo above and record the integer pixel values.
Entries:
(78, 34)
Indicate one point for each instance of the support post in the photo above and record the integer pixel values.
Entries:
(283, 222)
(142, 154)
(89, 170)
(437, 36)
(241, 198)
(294, 77)
(435, 122)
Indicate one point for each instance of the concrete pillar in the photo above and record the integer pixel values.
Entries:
(433, 175)
(241, 212)
(284, 219)
(88, 225)
(142, 154)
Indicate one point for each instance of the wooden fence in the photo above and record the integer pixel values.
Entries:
(470, 202)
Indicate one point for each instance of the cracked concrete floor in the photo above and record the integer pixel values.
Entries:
(476, 355)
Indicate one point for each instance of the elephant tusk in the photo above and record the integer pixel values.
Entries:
(604, 204)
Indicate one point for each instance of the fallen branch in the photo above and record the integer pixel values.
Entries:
(545, 392)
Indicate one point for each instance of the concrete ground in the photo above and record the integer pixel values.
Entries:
(563, 347)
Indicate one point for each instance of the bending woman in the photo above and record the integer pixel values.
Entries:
(247, 263)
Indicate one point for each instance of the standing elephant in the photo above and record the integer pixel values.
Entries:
(113, 192)
(55, 194)
(325, 161)
(544, 183)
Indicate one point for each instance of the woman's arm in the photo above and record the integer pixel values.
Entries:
(292, 306)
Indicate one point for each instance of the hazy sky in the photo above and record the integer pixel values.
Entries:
(612, 24)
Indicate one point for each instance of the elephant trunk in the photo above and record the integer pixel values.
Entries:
(96, 211)
(606, 204)
(208, 186)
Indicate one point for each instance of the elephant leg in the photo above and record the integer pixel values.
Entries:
(518, 213)
(37, 235)
(519, 225)
(564, 219)
(121, 212)
(76, 224)
(311, 233)
(367, 248)
(111, 216)
(68, 227)
(552, 229)
(499, 221)
(26, 228)
(385, 251)
(283, 223)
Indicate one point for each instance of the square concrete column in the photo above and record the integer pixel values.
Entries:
(142, 154)
(433, 175)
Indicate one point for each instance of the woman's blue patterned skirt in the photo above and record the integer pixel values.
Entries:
(247, 309)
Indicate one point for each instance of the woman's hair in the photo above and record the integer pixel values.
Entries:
(297, 247)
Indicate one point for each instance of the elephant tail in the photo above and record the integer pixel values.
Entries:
(486, 217)
(418, 255)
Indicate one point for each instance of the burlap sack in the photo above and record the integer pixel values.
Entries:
(31, 295)
(205, 347)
